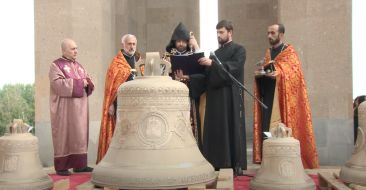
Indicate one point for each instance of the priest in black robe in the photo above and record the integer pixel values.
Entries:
(224, 142)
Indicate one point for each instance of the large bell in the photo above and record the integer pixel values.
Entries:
(281, 166)
(153, 146)
(354, 171)
(19, 160)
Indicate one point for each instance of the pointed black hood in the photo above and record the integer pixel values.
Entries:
(180, 33)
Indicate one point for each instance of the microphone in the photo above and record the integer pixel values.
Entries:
(217, 59)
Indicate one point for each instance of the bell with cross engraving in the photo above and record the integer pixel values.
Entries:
(354, 171)
(281, 167)
(19, 160)
(153, 146)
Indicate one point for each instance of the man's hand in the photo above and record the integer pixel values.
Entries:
(257, 75)
(168, 59)
(193, 41)
(111, 110)
(205, 61)
(179, 74)
(272, 75)
(85, 83)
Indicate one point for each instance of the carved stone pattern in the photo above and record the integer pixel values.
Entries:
(281, 151)
(357, 179)
(309, 185)
(153, 90)
(261, 169)
(287, 169)
(37, 160)
(153, 101)
(157, 130)
(10, 163)
(47, 185)
(121, 181)
(360, 141)
(181, 129)
(18, 145)
(362, 116)
(124, 129)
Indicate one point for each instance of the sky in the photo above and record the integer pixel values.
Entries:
(17, 46)
(17, 42)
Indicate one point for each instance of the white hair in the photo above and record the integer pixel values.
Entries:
(64, 43)
(128, 35)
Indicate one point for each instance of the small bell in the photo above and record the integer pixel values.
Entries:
(281, 166)
(19, 159)
(354, 171)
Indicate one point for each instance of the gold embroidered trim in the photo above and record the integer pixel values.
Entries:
(76, 72)
(70, 154)
(72, 86)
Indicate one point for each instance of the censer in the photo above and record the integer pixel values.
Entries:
(354, 171)
(21, 167)
(152, 146)
(281, 167)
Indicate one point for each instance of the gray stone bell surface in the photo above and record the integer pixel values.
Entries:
(354, 171)
(153, 146)
(281, 167)
(19, 158)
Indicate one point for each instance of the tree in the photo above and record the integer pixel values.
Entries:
(16, 102)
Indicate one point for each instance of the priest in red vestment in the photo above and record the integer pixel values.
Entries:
(283, 90)
(121, 69)
(70, 88)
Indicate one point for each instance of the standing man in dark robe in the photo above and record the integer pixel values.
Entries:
(283, 90)
(224, 141)
(121, 69)
(69, 108)
(181, 43)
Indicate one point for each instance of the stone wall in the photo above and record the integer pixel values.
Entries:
(320, 32)
(97, 27)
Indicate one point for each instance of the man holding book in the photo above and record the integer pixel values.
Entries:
(183, 43)
(224, 142)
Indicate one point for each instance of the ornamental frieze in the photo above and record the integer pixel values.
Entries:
(281, 151)
(19, 145)
(153, 90)
(153, 101)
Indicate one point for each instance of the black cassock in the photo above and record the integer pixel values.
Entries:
(224, 117)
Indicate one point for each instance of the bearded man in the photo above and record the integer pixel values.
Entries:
(224, 141)
(283, 90)
(121, 69)
(181, 43)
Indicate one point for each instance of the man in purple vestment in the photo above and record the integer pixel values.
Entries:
(70, 87)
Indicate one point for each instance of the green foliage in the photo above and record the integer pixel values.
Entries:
(16, 102)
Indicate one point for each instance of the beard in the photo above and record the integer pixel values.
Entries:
(181, 48)
(223, 40)
(276, 41)
(130, 51)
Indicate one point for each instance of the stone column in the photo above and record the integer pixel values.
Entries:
(91, 25)
(321, 35)
(97, 27)
(153, 22)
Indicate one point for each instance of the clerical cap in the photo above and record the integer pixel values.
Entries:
(180, 33)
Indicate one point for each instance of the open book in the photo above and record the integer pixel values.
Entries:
(188, 63)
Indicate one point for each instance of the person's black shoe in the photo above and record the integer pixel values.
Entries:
(238, 171)
(63, 172)
(86, 169)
